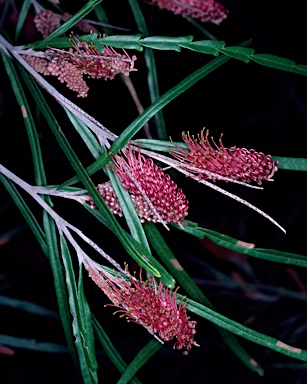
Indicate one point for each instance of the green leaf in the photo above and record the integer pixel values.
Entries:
(291, 163)
(27, 306)
(165, 43)
(38, 166)
(234, 244)
(26, 212)
(22, 16)
(128, 209)
(86, 135)
(279, 63)
(185, 281)
(245, 332)
(122, 41)
(89, 375)
(158, 145)
(240, 53)
(210, 47)
(110, 350)
(140, 359)
(31, 344)
(88, 7)
(87, 331)
(59, 282)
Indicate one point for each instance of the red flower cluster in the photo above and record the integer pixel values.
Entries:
(233, 163)
(151, 305)
(204, 10)
(138, 172)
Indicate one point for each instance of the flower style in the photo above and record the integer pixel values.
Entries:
(233, 163)
(150, 304)
(204, 10)
(149, 186)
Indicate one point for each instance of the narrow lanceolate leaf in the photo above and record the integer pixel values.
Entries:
(128, 209)
(88, 7)
(279, 63)
(86, 135)
(26, 212)
(28, 120)
(89, 374)
(291, 163)
(122, 41)
(169, 43)
(246, 248)
(239, 53)
(31, 344)
(110, 350)
(22, 16)
(87, 332)
(245, 332)
(59, 282)
(185, 281)
(140, 359)
(27, 306)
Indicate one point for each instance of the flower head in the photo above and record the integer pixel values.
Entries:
(233, 163)
(70, 66)
(204, 10)
(149, 186)
(150, 304)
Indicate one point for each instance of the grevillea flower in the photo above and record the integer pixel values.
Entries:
(204, 10)
(70, 66)
(152, 305)
(233, 163)
(150, 187)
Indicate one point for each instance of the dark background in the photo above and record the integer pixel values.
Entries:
(255, 107)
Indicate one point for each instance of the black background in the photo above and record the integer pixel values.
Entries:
(255, 107)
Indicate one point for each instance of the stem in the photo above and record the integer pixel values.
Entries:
(62, 224)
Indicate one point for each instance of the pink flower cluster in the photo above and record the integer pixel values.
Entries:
(151, 305)
(140, 176)
(70, 66)
(234, 163)
(204, 10)
(163, 193)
